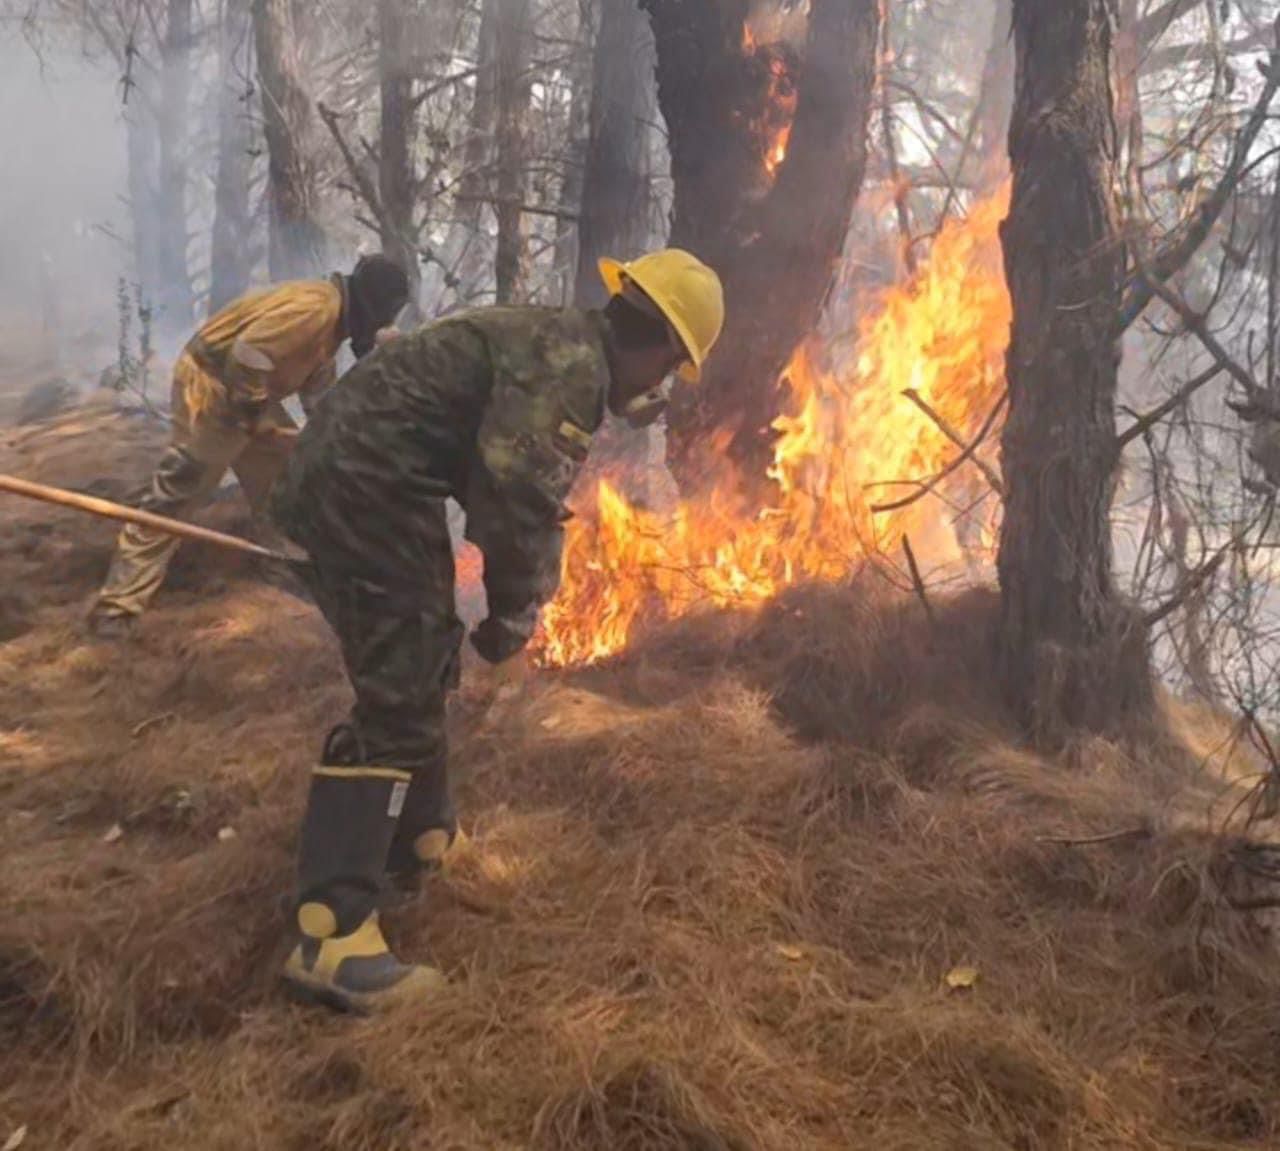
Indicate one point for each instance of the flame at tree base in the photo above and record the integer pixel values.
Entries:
(849, 442)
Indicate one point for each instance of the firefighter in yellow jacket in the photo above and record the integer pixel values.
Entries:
(227, 410)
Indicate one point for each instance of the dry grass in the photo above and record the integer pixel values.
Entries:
(710, 898)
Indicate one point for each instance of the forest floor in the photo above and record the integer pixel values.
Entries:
(781, 881)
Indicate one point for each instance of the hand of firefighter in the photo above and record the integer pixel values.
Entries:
(385, 336)
(498, 638)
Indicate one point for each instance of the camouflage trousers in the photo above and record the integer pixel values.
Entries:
(206, 440)
(401, 646)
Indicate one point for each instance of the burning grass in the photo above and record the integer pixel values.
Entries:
(852, 450)
(711, 897)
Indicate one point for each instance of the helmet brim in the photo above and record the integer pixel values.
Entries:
(612, 272)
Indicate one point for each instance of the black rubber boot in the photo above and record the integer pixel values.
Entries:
(428, 828)
(342, 959)
(409, 869)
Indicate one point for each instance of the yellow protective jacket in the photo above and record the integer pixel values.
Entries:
(296, 325)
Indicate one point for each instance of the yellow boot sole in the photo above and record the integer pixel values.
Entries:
(356, 972)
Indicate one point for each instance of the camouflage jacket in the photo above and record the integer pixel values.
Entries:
(495, 407)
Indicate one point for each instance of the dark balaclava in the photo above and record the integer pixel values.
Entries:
(377, 290)
(642, 351)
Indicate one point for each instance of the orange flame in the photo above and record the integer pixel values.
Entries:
(943, 335)
(772, 127)
(777, 150)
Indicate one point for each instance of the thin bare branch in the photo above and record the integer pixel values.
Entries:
(364, 184)
(917, 581)
(927, 486)
(1143, 424)
(1178, 253)
(967, 450)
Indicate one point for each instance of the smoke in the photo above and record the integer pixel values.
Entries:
(64, 230)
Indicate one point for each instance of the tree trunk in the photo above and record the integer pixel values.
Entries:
(467, 251)
(231, 259)
(580, 73)
(396, 130)
(140, 128)
(774, 231)
(1072, 654)
(995, 101)
(613, 219)
(175, 305)
(512, 49)
(1130, 58)
(296, 247)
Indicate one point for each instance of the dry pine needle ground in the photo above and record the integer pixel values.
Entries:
(715, 896)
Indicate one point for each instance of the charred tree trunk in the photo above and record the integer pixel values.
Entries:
(296, 245)
(232, 253)
(1072, 655)
(775, 238)
(175, 304)
(615, 191)
(512, 48)
(395, 135)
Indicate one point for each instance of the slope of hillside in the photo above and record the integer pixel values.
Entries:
(774, 882)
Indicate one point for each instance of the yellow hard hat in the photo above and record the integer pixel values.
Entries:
(686, 292)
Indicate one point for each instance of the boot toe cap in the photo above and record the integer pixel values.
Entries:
(364, 992)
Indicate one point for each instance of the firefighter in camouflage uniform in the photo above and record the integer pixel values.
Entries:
(227, 410)
(496, 408)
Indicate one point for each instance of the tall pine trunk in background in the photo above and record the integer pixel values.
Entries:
(614, 218)
(580, 81)
(231, 258)
(1073, 656)
(513, 41)
(995, 101)
(466, 250)
(614, 214)
(777, 241)
(296, 241)
(142, 145)
(395, 138)
(174, 303)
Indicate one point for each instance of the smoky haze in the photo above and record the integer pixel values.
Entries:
(63, 214)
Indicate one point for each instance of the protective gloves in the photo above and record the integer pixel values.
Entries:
(498, 638)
